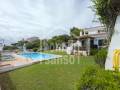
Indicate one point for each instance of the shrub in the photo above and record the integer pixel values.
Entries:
(9, 48)
(35, 49)
(33, 44)
(93, 51)
(98, 79)
(100, 57)
(0, 57)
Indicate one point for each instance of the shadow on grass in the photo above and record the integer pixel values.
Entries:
(6, 82)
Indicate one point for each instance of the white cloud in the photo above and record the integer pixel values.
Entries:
(43, 18)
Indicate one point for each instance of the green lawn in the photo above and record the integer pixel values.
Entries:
(47, 75)
(55, 52)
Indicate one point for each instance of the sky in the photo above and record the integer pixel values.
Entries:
(43, 18)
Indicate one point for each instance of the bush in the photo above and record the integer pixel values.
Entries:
(100, 57)
(96, 78)
(93, 51)
(9, 48)
(33, 44)
(35, 49)
(0, 57)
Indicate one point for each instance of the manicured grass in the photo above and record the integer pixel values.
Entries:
(47, 75)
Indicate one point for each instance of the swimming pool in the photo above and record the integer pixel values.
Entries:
(38, 56)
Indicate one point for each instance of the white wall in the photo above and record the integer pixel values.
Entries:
(93, 32)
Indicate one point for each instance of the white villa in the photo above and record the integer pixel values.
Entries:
(90, 38)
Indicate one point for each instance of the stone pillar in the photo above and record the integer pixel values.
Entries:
(80, 33)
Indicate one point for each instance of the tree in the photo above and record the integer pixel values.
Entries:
(10, 48)
(107, 13)
(33, 44)
(58, 40)
(19, 43)
(75, 32)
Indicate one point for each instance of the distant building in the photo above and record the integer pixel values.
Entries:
(31, 39)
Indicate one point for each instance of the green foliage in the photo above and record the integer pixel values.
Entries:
(29, 45)
(41, 76)
(75, 32)
(19, 43)
(60, 38)
(35, 49)
(107, 13)
(0, 56)
(100, 57)
(50, 43)
(34, 44)
(101, 8)
(96, 78)
(10, 48)
(57, 52)
(93, 51)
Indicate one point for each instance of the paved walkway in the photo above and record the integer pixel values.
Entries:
(17, 63)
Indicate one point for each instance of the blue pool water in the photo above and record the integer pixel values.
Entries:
(38, 56)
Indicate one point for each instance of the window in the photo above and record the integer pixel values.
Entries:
(82, 32)
(86, 32)
(101, 42)
(98, 31)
